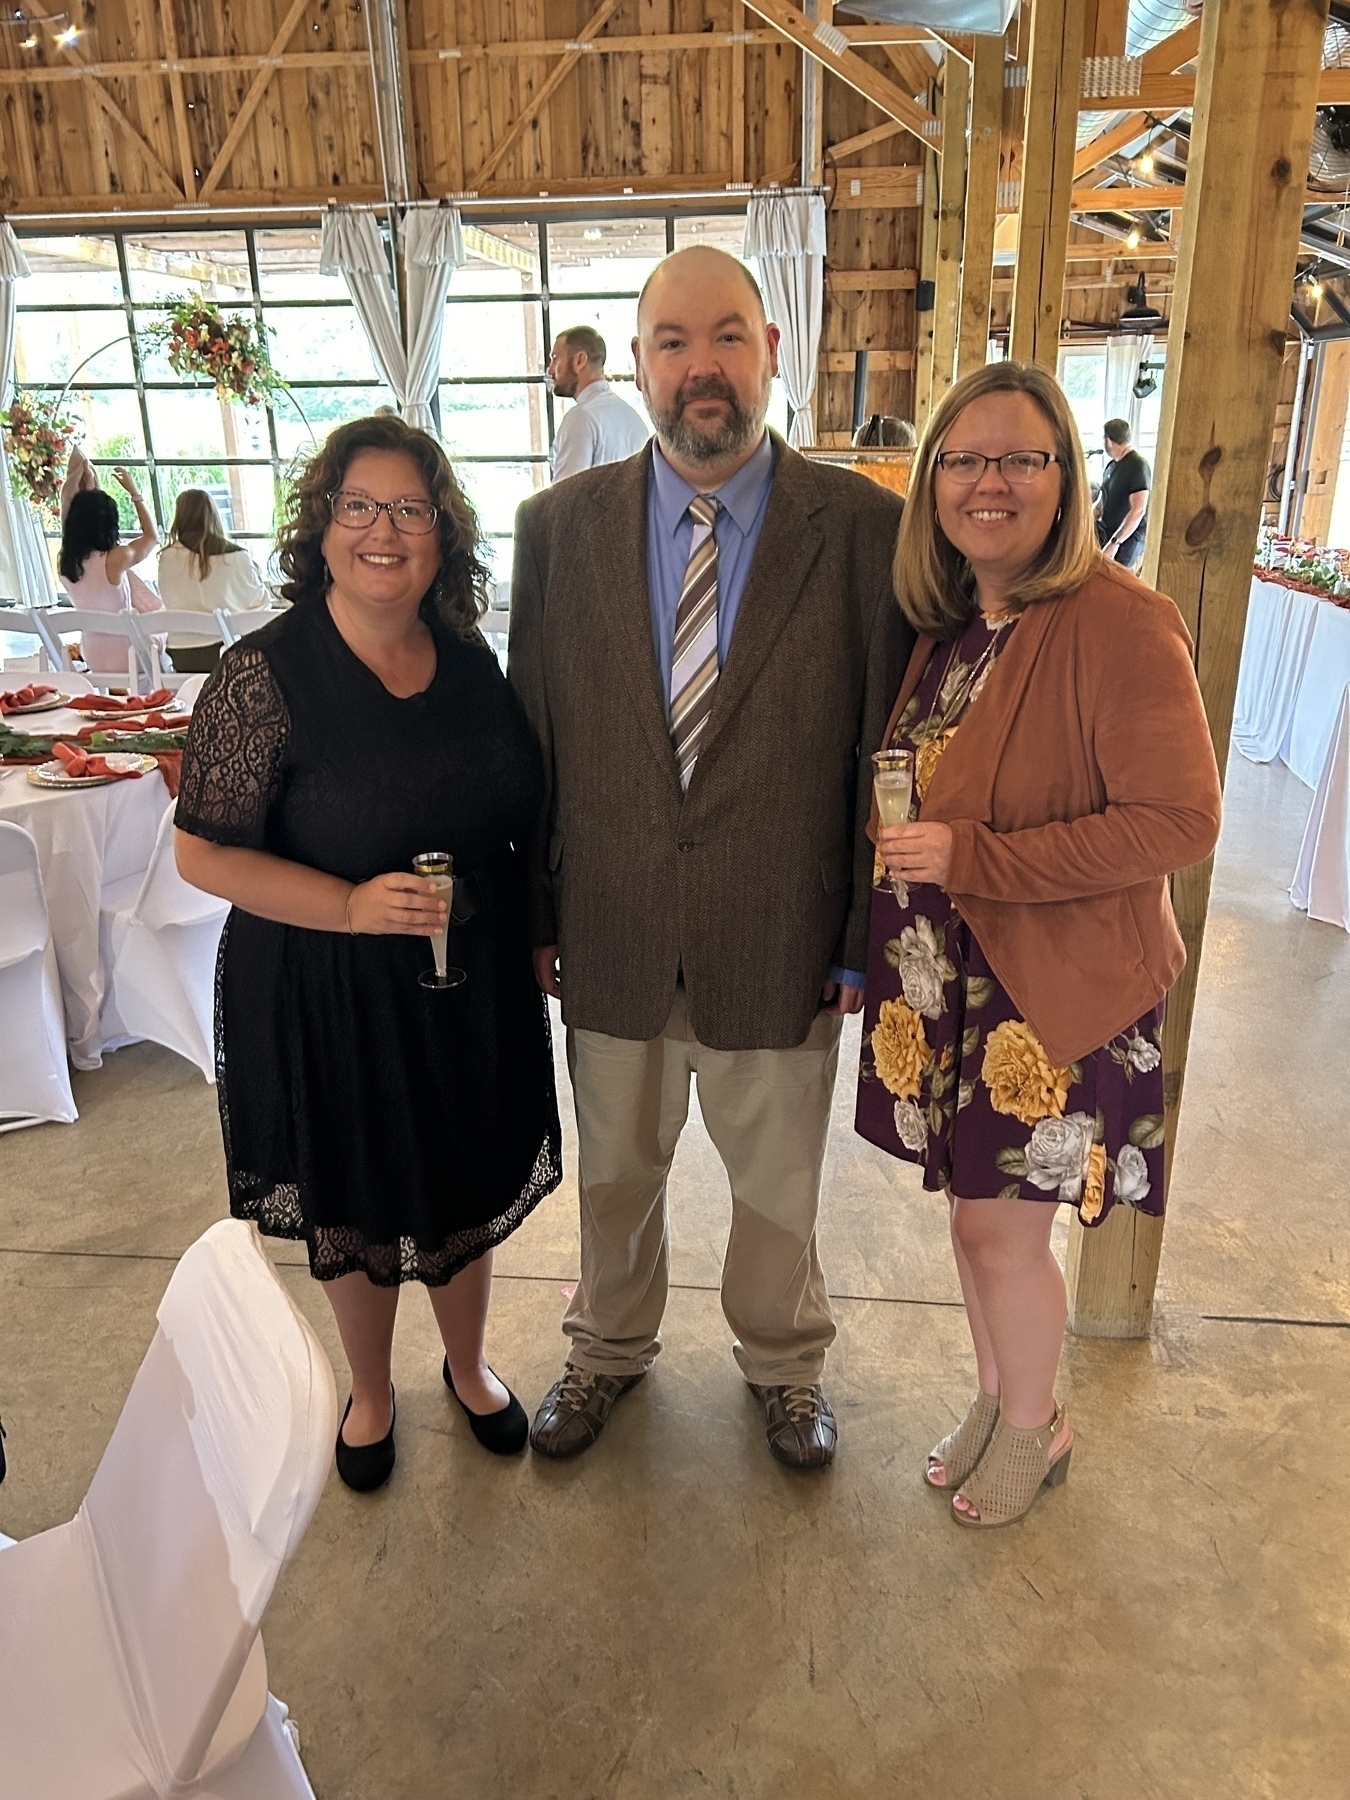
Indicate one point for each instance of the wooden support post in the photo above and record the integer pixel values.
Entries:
(1255, 93)
(923, 299)
(977, 248)
(738, 91)
(1324, 458)
(1054, 78)
(951, 223)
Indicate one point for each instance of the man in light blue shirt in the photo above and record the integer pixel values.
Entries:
(601, 427)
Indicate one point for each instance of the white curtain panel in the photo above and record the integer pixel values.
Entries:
(785, 234)
(25, 573)
(433, 248)
(353, 248)
(1123, 357)
(432, 245)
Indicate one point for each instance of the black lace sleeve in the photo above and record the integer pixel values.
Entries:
(232, 758)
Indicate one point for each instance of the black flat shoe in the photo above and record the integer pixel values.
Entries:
(367, 1466)
(505, 1433)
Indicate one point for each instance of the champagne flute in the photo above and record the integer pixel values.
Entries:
(893, 786)
(438, 866)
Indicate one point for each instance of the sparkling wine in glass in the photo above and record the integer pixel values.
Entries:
(438, 866)
(893, 786)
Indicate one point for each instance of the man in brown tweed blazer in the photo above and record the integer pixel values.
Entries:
(707, 644)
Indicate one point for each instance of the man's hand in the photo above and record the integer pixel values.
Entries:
(917, 852)
(837, 997)
(546, 971)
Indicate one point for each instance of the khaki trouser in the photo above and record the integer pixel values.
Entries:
(768, 1113)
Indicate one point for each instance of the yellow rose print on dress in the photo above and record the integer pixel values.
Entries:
(1094, 1185)
(1020, 1076)
(900, 1049)
(927, 756)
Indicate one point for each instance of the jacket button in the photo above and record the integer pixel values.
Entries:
(685, 844)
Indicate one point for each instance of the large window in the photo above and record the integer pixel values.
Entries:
(82, 320)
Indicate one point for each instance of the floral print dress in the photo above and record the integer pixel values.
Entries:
(951, 1076)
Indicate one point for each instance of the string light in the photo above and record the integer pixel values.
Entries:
(29, 43)
(1315, 290)
(1133, 238)
(67, 37)
(1145, 163)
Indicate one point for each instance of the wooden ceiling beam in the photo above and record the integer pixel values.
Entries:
(851, 68)
(252, 99)
(977, 249)
(1108, 143)
(1053, 71)
(863, 141)
(1173, 52)
(595, 24)
(81, 71)
(186, 160)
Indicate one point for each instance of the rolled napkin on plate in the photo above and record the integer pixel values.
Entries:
(24, 696)
(79, 762)
(110, 704)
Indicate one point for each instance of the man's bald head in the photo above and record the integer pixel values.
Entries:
(697, 264)
(705, 356)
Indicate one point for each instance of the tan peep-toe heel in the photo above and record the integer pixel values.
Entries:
(959, 1452)
(1012, 1472)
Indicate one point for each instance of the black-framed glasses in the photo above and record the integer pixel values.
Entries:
(414, 518)
(1019, 467)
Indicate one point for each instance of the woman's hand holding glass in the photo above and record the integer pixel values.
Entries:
(397, 904)
(917, 852)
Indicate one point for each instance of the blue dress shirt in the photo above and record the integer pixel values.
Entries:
(742, 502)
(670, 530)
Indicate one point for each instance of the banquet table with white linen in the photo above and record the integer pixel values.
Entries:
(1293, 702)
(87, 840)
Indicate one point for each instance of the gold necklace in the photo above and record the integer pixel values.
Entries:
(965, 688)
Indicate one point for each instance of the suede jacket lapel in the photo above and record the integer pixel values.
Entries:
(618, 531)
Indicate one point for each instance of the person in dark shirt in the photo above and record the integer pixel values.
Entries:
(1124, 497)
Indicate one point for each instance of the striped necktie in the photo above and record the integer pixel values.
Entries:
(693, 674)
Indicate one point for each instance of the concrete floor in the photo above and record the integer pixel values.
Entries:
(673, 1615)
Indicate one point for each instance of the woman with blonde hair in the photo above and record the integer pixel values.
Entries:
(202, 570)
(1022, 932)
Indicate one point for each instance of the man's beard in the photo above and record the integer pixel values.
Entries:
(714, 442)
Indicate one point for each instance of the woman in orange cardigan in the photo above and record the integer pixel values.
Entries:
(1022, 933)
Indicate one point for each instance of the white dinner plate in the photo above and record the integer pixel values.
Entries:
(92, 713)
(53, 774)
(49, 703)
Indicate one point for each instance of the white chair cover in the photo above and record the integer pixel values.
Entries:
(161, 948)
(233, 626)
(178, 622)
(77, 622)
(130, 1661)
(1322, 881)
(34, 1074)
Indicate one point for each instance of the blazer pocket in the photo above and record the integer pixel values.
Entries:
(836, 872)
(555, 851)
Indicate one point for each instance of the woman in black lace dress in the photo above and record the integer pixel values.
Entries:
(400, 1131)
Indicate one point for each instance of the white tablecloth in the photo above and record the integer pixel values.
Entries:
(85, 842)
(1322, 880)
(1280, 624)
(1295, 668)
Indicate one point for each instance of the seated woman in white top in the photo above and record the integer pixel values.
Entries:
(95, 565)
(202, 570)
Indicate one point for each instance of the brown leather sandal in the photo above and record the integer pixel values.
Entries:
(958, 1454)
(1012, 1472)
